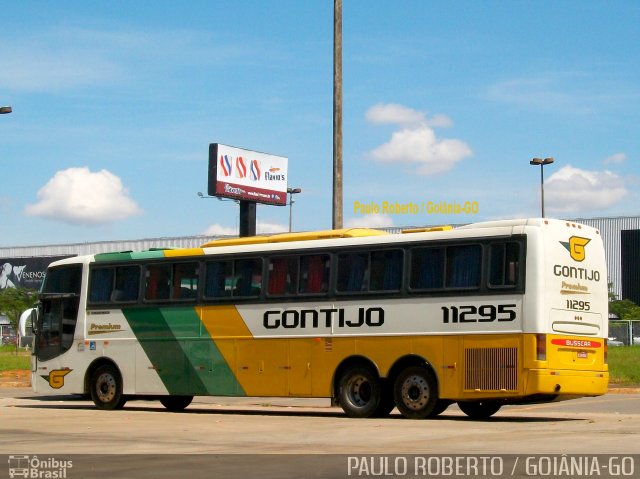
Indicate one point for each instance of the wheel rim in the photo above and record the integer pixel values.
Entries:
(106, 387)
(359, 391)
(415, 392)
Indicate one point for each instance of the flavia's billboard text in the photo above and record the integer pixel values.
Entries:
(247, 175)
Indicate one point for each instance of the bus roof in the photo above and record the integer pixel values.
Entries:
(303, 236)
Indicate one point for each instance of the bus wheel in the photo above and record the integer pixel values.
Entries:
(176, 403)
(416, 393)
(479, 409)
(360, 392)
(106, 388)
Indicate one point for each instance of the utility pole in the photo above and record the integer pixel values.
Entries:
(337, 114)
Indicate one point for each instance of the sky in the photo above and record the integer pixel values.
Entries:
(444, 105)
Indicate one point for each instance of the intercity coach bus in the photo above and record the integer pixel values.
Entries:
(488, 314)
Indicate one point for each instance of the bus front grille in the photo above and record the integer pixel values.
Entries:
(491, 369)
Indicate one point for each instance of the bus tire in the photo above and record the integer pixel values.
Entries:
(106, 388)
(479, 409)
(176, 403)
(360, 392)
(416, 392)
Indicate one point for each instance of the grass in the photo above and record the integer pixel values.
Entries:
(10, 360)
(624, 363)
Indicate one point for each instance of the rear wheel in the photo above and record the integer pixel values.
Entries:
(479, 409)
(360, 392)
(106, 388)
(176, 403)
(416, 392)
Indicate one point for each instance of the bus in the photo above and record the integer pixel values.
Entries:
(483, 315)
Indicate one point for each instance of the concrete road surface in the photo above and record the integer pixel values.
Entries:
(44, 426)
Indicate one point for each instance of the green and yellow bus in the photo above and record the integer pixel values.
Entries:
(488, 314)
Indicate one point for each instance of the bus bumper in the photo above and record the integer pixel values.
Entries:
(566, 383)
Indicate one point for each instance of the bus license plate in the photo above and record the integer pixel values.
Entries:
(583, 354)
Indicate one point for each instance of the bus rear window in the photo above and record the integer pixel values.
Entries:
(504, 264)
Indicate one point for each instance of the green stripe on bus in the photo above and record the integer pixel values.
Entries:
(181, 351)
(122, 256)
(129, 255)
(203, 354)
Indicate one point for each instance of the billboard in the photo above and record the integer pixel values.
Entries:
(247, 175)
(25, 272)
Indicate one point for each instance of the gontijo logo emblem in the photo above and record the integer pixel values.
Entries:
(56, 377)
(576, 247)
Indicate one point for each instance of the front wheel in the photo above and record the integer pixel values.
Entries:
(416, 392)
(106, 388)
(360, 392)
(176, 403)
(479, 409)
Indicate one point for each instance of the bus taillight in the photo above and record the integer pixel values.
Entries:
(541, 347)
(606, 350)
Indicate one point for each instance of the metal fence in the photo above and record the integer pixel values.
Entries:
(624, 333)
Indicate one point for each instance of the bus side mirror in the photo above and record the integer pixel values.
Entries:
(34, 320)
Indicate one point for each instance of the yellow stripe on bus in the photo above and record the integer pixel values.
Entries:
(170, 253)
(224, 321)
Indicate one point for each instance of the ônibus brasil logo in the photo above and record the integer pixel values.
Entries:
(576, 247)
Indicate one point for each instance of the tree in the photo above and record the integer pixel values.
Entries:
(13, 301)
(624, 309)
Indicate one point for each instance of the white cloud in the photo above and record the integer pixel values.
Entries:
(79, 196)
(220, 230)
(537, 93)
(421, 147)
(416, 142)
(370, 221)
(66, 58)
(42, 67)
(262, 228)
(574, 190)
(393, 113)
(616, 158)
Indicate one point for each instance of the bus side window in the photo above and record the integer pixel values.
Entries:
(314, 274)
(427, 268)
(353, 272)
(283, 276)
(464, 266)
(158, 284)
(101, 286)
(219, 276)
(248, 277)
(185, 281)
(386, 270)
(127, 284)
(504, 264)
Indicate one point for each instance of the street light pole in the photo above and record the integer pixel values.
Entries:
(541, 162)
(292, 191)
